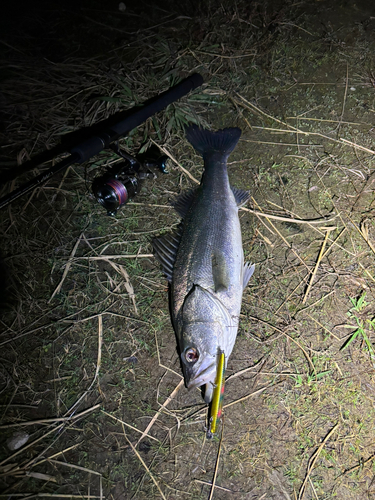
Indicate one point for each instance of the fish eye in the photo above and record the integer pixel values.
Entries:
(191, 355)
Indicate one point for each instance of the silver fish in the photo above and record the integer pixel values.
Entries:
(204, 262)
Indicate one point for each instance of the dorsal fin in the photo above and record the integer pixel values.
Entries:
(183, 202)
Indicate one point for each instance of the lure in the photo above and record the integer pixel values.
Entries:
(217, 397)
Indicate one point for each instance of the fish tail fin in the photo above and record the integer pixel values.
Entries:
(207, 142)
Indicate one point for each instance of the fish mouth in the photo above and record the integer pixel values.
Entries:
(205, 373)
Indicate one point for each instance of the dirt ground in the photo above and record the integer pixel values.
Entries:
(92, 397)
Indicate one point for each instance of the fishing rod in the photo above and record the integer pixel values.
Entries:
(120, 184)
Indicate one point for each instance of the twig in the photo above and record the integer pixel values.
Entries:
(269, 242)
(151, 205)
(128, 425)
(312, 461)
(285, 241)
(46, 495)
(318, 301)
(15, 337)
(160, 364)
(334, 242)
(98, 363)
(67, 267)
(22, 473)
(245, 370)
(320, 230)
(313, 489)
(217, 460)
(296, 26)
(289, 337)
(212, 54)
(32, 443)
(317, 264)
(72, 466)
(154, 418)
(321, 120)
(357, 146)
(128, 286)
(363, 230)
(286, 300)
(59, 453)
(120, 256)
(366, 271)
(166, 152)
(93, 316)
(254, 108)
(288, 219)
(345, 95)
(322, 326)
(285, 144)
(359, 466)
(250, 395)
(210, 484)
(143, 463)
(51, 420)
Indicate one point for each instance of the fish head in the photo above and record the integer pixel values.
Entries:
(207, 328)
(199, 354)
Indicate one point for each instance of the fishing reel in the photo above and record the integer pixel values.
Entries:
(120, 183)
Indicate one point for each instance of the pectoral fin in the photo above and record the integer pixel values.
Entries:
(220, 272)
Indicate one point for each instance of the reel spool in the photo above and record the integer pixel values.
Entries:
(114, 191)
(119, 184)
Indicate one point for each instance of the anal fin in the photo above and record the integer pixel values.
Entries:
(248, 270)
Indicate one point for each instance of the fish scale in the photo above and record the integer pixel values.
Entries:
(204, 262)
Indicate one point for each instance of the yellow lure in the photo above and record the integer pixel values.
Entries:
(217, 397)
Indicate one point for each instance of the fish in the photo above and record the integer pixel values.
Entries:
(203, 261)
